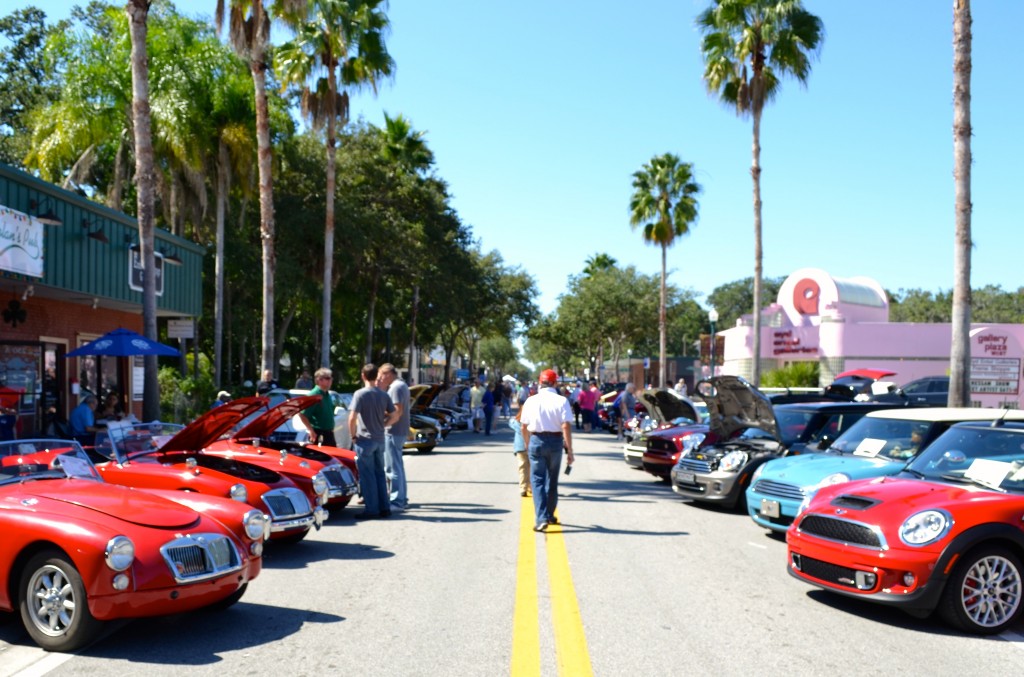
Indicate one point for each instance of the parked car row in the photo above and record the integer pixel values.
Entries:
(915, 507)
(160, 518)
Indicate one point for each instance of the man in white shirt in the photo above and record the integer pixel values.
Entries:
(547, 429)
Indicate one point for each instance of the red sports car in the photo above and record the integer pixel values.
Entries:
(167, 456)
(945, 534)
(665, 446)
(253, 443)
(78, 551)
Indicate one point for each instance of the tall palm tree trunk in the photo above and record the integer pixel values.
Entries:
(960, 349)
(138, 12)
(265, 163)
(661, 324)
(755, 174)
(325, 337)
(218, 302)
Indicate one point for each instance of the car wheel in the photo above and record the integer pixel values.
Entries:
(427, 449)
(983, 595)
(53, 603)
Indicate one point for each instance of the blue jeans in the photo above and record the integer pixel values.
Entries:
(545, 460)
(372, 480)
(488, 419)
(394, 469)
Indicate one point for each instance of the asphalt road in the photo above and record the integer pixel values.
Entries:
(634, 581)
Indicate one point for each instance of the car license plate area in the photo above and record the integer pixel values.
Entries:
(769, 508)
(686, 478)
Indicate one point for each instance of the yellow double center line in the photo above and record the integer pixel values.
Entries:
(570, 641)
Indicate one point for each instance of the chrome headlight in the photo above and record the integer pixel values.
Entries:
(834, 478)
(119, 553)
(254, 522)
(239, 493)
(757, 473)
(925, 527)
(693, 441)
(320, 485)
(804, 505)
(732, 461)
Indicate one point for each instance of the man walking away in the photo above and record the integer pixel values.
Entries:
(395, 435)
(547, 429)
(371, 413)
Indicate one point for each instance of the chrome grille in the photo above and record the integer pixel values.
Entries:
(196, 557)
(780, 489)
(842, 531)
(339, 478)
(694, 465)
(286, 503)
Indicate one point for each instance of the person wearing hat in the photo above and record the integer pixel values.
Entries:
(223, 397)
(547, 429)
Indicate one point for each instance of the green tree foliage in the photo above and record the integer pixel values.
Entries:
(735, 299)
(24, 79)
(795, 375)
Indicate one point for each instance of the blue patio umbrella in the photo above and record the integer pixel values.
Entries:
(123, 343)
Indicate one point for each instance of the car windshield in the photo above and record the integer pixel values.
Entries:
(22, 460)
(792, 423)
(118, 442)
(991, 457)
(894, 439)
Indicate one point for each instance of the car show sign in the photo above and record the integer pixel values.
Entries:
(21, 243)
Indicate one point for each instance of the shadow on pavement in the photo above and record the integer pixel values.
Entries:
(301, 555)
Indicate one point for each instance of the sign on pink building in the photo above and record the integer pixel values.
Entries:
(844, 324)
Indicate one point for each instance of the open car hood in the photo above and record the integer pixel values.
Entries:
(734, 404)
(264, 425)
(449, 397)
(423, 395)
(209, 427)
(664, 405)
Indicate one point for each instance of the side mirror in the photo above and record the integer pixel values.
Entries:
(825, 442)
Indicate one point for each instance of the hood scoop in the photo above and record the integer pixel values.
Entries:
(853, 502)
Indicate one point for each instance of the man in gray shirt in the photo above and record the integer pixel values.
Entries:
(395, 435)
(371, 412)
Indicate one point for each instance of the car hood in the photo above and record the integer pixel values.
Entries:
(213, 424)
(449, 397)
(423, 395)
(897, 497)
(116, 502)
(665, 405)
(734, 405)
(808, 470)
(263, 426)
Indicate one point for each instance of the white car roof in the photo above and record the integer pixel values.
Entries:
(933, 414)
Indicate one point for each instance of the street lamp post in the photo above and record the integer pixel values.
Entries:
(712, 318)
(387, 340)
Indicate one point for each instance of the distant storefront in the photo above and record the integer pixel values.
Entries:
(844, 324)
(69, 272)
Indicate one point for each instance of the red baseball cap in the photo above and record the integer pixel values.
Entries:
(549, 376)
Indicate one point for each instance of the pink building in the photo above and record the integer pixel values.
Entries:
(844, 324)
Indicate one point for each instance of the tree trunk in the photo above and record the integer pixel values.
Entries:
(755, 174)
(258, 67)
(414, 355)
(138, 12)
(369, 315)
(218, 264)
(325, 334)
(661, 324)
(960, 349)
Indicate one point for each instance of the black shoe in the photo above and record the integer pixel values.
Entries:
(386, 513)
(552, 520)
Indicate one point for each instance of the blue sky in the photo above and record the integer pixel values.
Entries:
(539, 111)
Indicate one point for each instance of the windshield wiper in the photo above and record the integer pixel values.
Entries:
(916, 473)
(964, 479)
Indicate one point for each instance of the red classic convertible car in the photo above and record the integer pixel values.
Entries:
(78, 551)
(299, 462)
(945, 534)
(167, 456)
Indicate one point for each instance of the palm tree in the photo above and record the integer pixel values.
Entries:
(597, 263)
(960, 349)
(664, 203)
(748, 46)
(249, 34)
(145, 180)
(404, 146)
(333, 39)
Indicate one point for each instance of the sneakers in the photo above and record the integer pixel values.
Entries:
(524, 493)
(552, 520)
(541, 526)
